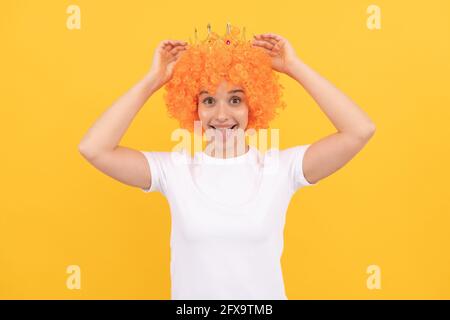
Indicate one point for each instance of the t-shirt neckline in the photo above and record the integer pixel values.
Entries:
(238, 159)
(251, 152)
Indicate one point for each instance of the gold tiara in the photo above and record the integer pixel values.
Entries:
(232, 37)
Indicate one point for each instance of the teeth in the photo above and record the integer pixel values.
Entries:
(235, 125)
(226, 132)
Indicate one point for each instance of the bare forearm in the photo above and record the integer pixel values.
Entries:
(109, 129)
(345, 115)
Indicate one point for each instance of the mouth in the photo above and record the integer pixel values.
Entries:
(224, 128)
(226, 132)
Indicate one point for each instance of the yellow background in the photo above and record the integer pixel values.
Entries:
(389, 206)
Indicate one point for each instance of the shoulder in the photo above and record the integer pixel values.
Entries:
(294, 151)
(168, 158)
(287, 155)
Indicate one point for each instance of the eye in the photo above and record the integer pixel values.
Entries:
(236, 98)
(207, 99)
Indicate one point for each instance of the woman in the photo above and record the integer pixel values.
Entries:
(228, 211)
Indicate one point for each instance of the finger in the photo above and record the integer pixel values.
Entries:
(268, 39)
(265, 48)
(166, 45)
(278, 46)
(269, 52)
(264, 44)
(260, 37)
(172, 43)
(272, 36)
(272, 39)
(167, 42)
(177, 49)
(176, 42)
(179, 54)
(173, 49)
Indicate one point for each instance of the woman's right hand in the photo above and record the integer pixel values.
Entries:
(165, 57)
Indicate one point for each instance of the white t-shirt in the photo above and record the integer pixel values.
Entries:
(228, 218)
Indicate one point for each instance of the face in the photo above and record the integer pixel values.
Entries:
(226, 109)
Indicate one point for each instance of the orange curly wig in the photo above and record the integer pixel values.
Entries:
(206, 65)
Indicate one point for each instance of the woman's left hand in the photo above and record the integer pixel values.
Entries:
(282, 53)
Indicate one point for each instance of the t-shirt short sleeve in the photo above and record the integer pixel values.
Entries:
(294, 159)
(158, 163)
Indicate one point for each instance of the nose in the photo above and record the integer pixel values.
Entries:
(222, 111)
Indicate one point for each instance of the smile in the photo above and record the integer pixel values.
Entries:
(232, 127)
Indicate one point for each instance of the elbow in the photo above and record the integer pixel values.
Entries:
(368, 132)
(85, 150)
(365, 133)
(372, 129)
(90, 151)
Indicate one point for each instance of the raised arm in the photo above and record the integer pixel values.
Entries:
(354, 127)
(100, 145)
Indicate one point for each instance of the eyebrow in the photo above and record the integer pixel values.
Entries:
(232, 91)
